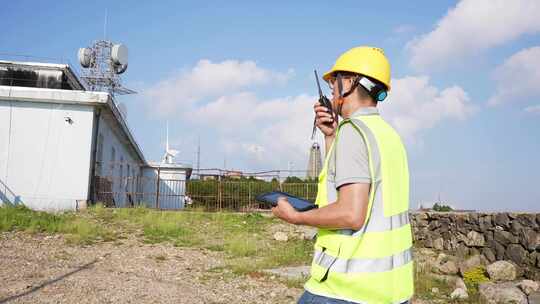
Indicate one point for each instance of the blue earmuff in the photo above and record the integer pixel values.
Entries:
(382, 95)
(375, 89)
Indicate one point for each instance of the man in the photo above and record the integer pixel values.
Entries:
(363, 247)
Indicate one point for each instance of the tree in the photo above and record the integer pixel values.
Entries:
(293, 180)
(441, 208)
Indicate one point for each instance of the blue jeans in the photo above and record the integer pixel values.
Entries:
(309, 298)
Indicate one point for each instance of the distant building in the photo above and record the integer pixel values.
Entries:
(207, 176)
(62, 146)
(314, 162)
(233, 174)
(218, 174)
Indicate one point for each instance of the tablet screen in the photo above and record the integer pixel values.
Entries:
(299, 204)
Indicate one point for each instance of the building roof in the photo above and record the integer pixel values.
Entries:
(172, 167)
(169, 166)
(71, 77)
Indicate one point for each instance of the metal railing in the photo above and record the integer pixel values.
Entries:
(240, 195)
(208, 195)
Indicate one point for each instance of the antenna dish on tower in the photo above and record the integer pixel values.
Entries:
(85, 57)
(103, 63)
(119, 54)
(119, 69)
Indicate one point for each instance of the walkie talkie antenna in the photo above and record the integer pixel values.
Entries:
(318, 83)
(320, 96)
(323, 101)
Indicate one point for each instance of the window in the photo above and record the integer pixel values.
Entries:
(134, 181)
(99, 156)
(121, 171)
(128, 178)
(113, 160)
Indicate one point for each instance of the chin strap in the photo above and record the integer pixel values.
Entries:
(341, 99)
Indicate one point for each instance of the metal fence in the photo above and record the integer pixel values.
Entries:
(177, 194)
(218, 195)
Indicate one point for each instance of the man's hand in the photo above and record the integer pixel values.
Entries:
(324, 120)
(285, 211)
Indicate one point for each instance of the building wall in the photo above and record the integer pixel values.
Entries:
(44, 159)
(122, 167)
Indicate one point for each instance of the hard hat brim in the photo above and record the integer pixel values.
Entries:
(327, 75)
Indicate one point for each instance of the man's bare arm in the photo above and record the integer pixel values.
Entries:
(349, 212)
(328, 140)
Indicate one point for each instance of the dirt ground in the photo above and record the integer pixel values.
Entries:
(44, 269)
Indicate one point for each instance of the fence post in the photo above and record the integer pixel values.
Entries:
(219, 194)
(249, 195)
(157, 187)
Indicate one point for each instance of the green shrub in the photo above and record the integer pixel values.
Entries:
(441, 208)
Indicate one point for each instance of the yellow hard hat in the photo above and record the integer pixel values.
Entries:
(366, 60)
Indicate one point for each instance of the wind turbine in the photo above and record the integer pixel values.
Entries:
(169, 153)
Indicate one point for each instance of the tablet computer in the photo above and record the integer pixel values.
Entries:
(271, 198)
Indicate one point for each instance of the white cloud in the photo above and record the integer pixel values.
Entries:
(273, 132)
(518, 77)
(473, 26)
(533, 109)
(404, 28)
(205, 80)
(415, 105)
(269, 133)
(262, 132)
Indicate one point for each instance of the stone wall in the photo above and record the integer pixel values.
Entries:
(512, 237)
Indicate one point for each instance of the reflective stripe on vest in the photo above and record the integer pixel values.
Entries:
(358, 265)
(374, 264)
(378, 224)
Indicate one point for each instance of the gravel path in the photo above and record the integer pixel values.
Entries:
(43, 269)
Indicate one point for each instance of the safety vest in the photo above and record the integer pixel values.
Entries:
(373, 265)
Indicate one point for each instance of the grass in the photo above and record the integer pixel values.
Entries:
(244, 239)
(424, 282)
(78, 230)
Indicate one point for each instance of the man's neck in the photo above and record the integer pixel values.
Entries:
(348, 111)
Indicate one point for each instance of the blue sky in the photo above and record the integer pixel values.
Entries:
(466, 81)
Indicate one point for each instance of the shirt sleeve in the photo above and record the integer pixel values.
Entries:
(352, 164)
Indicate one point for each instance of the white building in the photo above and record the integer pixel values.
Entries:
(62, 146)
(172, 185)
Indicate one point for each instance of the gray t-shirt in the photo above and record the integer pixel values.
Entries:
(348, 162)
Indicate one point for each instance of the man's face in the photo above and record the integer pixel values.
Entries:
(347, 80)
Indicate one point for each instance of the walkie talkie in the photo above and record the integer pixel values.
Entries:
(324, 101)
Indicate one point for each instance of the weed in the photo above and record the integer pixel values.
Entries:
(473, 277)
